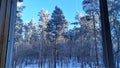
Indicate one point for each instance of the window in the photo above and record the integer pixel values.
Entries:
(47, 44)
(58, 36)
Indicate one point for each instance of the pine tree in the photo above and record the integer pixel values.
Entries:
(18, 35)
(114, 13)
(18, 26)
(44, 18)
(55, 28)
(91, 7)
(28, 30)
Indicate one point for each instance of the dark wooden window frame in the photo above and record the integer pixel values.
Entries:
(106, 36)
(6, 19)
(0, 3)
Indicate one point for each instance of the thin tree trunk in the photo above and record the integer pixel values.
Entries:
(54, 56)
(96, 49)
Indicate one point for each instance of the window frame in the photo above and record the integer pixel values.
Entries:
(11, 34)
(108, 56)
(7, 20)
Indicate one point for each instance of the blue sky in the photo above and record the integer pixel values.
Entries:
(69, 8)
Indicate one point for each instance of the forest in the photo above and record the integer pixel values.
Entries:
(51, 44)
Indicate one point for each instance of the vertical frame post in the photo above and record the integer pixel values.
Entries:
(106, 36)
(11, 34)
(4, 28)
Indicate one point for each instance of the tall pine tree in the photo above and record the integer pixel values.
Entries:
(55, 28)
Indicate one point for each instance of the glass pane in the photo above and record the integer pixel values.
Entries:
(114, 19)
(57, 34)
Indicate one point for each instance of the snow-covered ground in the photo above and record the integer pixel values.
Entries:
(71, 64)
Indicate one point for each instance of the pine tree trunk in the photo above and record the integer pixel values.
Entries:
(96, 49)
(49, 66)
(54, 56)
(82, 65)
